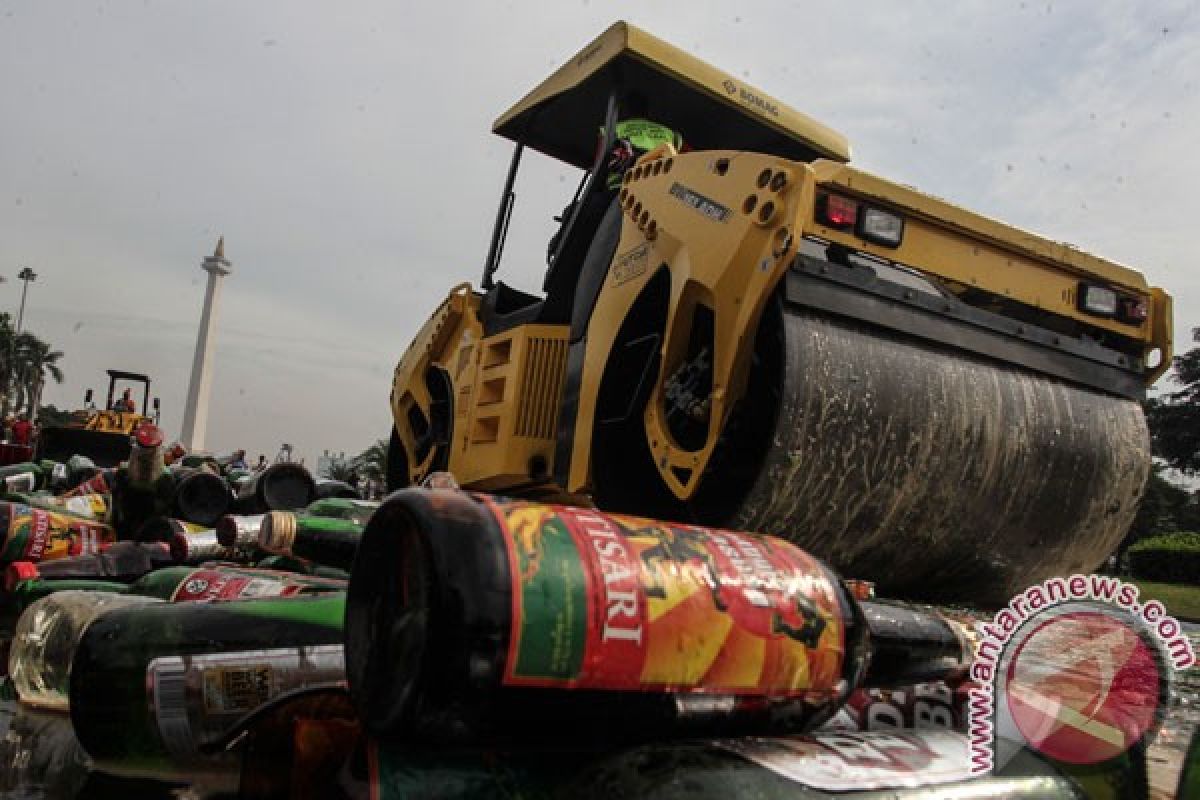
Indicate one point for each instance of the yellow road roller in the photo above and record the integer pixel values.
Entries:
(746, 330)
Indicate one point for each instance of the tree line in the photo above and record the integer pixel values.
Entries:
(1170, 504)
(26, 363)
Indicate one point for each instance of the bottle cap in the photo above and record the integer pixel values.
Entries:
(18, 572)
(148, 435)
(278, 532)
(858, 589)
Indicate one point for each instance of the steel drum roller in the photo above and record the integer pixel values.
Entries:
(937, 473)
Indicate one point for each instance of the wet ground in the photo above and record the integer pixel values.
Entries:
(1165, 758)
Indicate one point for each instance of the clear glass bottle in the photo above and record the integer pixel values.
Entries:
(43, 646)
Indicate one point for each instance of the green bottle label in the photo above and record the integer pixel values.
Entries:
(613, 602)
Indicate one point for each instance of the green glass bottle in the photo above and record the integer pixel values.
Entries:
(79, 469)
(329, 488)
(34, 534)
(57, 477)
(301, 567)
(200, 460)
(236, 477)
(144, 488)
(357, 511)
(326, 540)
(151, 685)
(195, 584)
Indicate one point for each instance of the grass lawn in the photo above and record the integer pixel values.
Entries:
(1182, 601)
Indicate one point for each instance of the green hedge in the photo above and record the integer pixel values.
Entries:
(1171, 558)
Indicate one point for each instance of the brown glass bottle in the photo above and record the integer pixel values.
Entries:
(472, 618)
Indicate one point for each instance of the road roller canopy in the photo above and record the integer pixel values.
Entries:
(708, 107)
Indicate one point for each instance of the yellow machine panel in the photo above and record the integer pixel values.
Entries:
(512, 415)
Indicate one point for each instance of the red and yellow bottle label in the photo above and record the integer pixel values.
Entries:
(612, 602)
(38, 535)
(97, 484)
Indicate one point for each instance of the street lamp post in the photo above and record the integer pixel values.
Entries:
(28, 276)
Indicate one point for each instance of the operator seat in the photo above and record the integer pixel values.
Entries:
(572, 283)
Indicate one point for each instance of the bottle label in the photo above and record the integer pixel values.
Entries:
(89, 506)
(924, 706)
(614, 602)
(838, 762)
(195, 699)
(21, 482)
(97, 484)
(206, 585)
(37, 535)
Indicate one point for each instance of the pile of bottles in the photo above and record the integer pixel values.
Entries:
(170, 623)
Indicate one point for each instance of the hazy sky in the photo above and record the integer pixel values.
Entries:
(344, 152)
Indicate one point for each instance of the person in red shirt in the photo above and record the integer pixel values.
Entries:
(22, 431)
(125, 402)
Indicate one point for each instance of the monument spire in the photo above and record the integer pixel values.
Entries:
(195, 413)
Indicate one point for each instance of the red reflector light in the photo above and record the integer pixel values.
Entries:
(837, 212)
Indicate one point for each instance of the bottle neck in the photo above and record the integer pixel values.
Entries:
(908, 646)
(145, 465)
(27, 592)
(326, 540)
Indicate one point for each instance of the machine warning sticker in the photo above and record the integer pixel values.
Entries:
(837, 762)
(709, 208)
(631, 264)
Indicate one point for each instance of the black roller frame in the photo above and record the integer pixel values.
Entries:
(856, 292)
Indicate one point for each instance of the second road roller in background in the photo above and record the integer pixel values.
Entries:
(756, 334)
